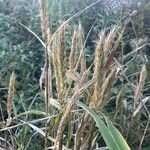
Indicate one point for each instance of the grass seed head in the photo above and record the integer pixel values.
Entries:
(140, 86)
(11, 90)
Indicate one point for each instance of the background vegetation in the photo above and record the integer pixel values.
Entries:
(120, 29)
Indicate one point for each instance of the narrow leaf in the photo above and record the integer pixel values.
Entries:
(106, 134)
(117, 136)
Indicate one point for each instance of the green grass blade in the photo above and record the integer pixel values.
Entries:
(117, 136)
(106, 134)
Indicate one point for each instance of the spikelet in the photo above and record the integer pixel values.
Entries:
(98, 68)
(62, 62)
(109, 41)
(73, 51)
(49, 51)
(44, 19)
(11, 90)
(61, 35)
(82, 49)
(81, 61)
(105, 89)
(58, 47)
(140, 86)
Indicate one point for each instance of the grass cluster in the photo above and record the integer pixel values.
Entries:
(81, 97)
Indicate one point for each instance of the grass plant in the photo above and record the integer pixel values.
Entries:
(79, 95)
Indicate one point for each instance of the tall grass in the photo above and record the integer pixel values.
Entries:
(79, 83)
(99, 84)
(75, 92)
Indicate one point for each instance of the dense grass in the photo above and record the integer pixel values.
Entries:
(63, 79)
